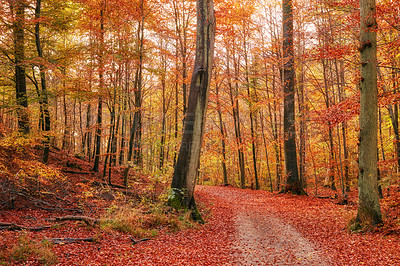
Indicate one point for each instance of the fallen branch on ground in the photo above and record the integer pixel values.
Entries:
(70, 240)
(75, 172)
(134, 241)
(16, 227)
(86, 219)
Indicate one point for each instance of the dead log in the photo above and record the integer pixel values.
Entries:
(16, 227)
(86, 219)
(70, 240)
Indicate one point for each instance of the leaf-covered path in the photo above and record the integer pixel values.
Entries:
(270, 229)
(260, 237)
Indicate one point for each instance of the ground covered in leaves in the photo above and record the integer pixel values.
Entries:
(133, 225)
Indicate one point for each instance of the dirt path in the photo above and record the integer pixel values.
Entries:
(261, 237)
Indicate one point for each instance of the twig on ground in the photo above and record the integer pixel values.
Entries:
(134, 241)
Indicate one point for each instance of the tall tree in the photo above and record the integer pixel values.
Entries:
(369, 212)
(187, 165)
(292, 176)
(44, 93)
(101, 88)
(18, 8)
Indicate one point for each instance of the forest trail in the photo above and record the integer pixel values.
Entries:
(260, 236)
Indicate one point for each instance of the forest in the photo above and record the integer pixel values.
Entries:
(296, 100)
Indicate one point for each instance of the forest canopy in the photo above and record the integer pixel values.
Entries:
(108, 80)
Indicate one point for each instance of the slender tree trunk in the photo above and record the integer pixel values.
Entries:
(88, 133)
(266, 152)
(273, 120)
(44, 92)
(222, 131)
(303, 128)
(124, 116)
(176, 94)
(137, 141)
(101, 88)
(164, 115)
(330, 178)
(252, 118)
(236, 120)
(342, 82)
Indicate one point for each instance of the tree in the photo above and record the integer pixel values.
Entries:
(292, 176)
(101, 88)
(369, 212)
(45, 114)
(18, 7)
(187, 165)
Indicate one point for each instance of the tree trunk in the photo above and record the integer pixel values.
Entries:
(222, 131)
(137, 129)
(303, 128)
(292, 175)
(164, 114)
(252, 117)
(19, 56)
(44, 93)
(369, 213)
(101, 87)
(266, 152)
(236, 121)
(188, 161)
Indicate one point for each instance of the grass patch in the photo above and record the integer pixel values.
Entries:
(26, 249)
(144, 220)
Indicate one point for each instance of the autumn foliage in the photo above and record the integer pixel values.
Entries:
(113, 78)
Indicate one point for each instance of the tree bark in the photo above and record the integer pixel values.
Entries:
(236, 119)
(44, 92)
(19, 56)
(292, 176)
(187, 165)
(222, 131)
(101, 87)
(369, 213)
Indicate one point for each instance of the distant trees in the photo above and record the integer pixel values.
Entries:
(114, 78)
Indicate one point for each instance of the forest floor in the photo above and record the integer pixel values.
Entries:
(243, 226)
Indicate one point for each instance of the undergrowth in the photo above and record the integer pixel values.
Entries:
(144, 219)
(28, 249)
